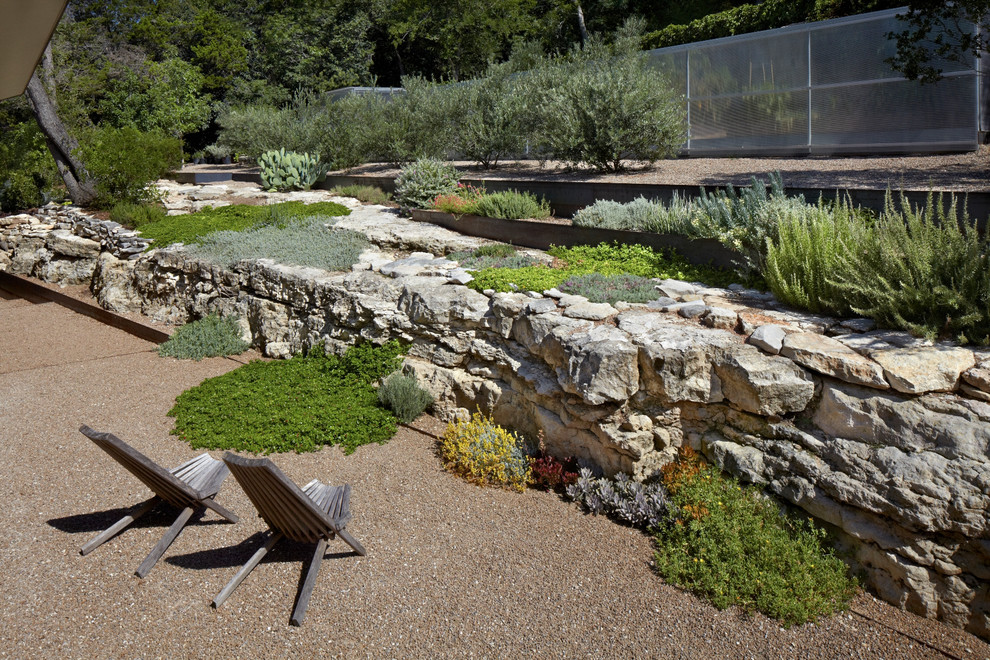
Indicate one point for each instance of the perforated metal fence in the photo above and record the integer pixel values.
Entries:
(820, 88)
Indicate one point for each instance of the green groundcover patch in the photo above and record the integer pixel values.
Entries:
(605, 259)
(300, 404)
(193, 227)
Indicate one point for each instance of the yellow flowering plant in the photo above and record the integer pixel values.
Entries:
(485, 453)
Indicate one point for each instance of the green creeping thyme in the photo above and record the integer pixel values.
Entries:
(604, 259)
(193, 227)
(732, 546)
(300, 404)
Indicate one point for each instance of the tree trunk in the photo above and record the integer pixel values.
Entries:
(81, 187)
(581, 27)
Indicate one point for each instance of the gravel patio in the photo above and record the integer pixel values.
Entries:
(452, 570)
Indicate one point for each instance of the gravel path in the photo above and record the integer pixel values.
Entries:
(955, 172)
(452, 570)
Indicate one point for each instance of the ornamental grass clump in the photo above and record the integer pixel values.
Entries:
(483, 452)
(364, 194)
(732, 546)
(419, 183)
(404, 397)
(210, 336)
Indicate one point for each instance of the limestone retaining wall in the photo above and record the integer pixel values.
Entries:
(884, 436)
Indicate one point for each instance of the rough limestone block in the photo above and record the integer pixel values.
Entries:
(832, 358)
(769, 338)
(924, 368)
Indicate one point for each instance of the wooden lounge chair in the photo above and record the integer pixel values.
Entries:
(190, 487)
(314, 514)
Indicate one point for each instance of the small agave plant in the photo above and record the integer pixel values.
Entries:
(640, 505)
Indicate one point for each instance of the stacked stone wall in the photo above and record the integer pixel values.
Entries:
(884, 436)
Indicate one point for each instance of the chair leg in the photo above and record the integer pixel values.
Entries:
(210, 503)
(118, 526)
(351, 541)
(299, 613)
(160, 547)
(246, 568)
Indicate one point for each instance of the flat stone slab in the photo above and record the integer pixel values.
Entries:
(925, 368)
(832, 358)
(590, 311)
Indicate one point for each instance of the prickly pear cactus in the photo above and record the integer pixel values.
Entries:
(289, 170)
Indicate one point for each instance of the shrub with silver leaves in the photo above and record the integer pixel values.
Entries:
(638, 504)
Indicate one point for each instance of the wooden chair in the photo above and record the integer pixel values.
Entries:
(191, 487)
(314, 514)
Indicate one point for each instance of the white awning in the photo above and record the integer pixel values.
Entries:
(25, 28)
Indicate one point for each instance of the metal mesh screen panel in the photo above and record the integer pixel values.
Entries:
(755, 121)
(820, 88)
(895, 113)
(770, 63)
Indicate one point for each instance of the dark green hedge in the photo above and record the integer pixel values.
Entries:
(755, 17)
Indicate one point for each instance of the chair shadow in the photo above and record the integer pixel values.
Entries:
(285, 551)
(163, 515)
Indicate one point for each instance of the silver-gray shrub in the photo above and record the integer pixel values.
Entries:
(252, 130)
(407, 126)
(747, 220)
(404, 397)
(601, 109)
(311, 241)
(641, 214)
(643, 505)
(210, 336)
(420, 182)
(611, 288)
(489, 116)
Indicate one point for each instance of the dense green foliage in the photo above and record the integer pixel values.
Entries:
(732, 546)
(136, 216)
(193, 227)
(759, 16)
(28, 177)
(925, 270)
(298, 405)
(604, 259)
(404, 397)
(210, 336)
(311, 241)
(125, 162)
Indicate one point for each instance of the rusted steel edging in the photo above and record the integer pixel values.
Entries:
(543, 235)
(37, 293)
(568, 197)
